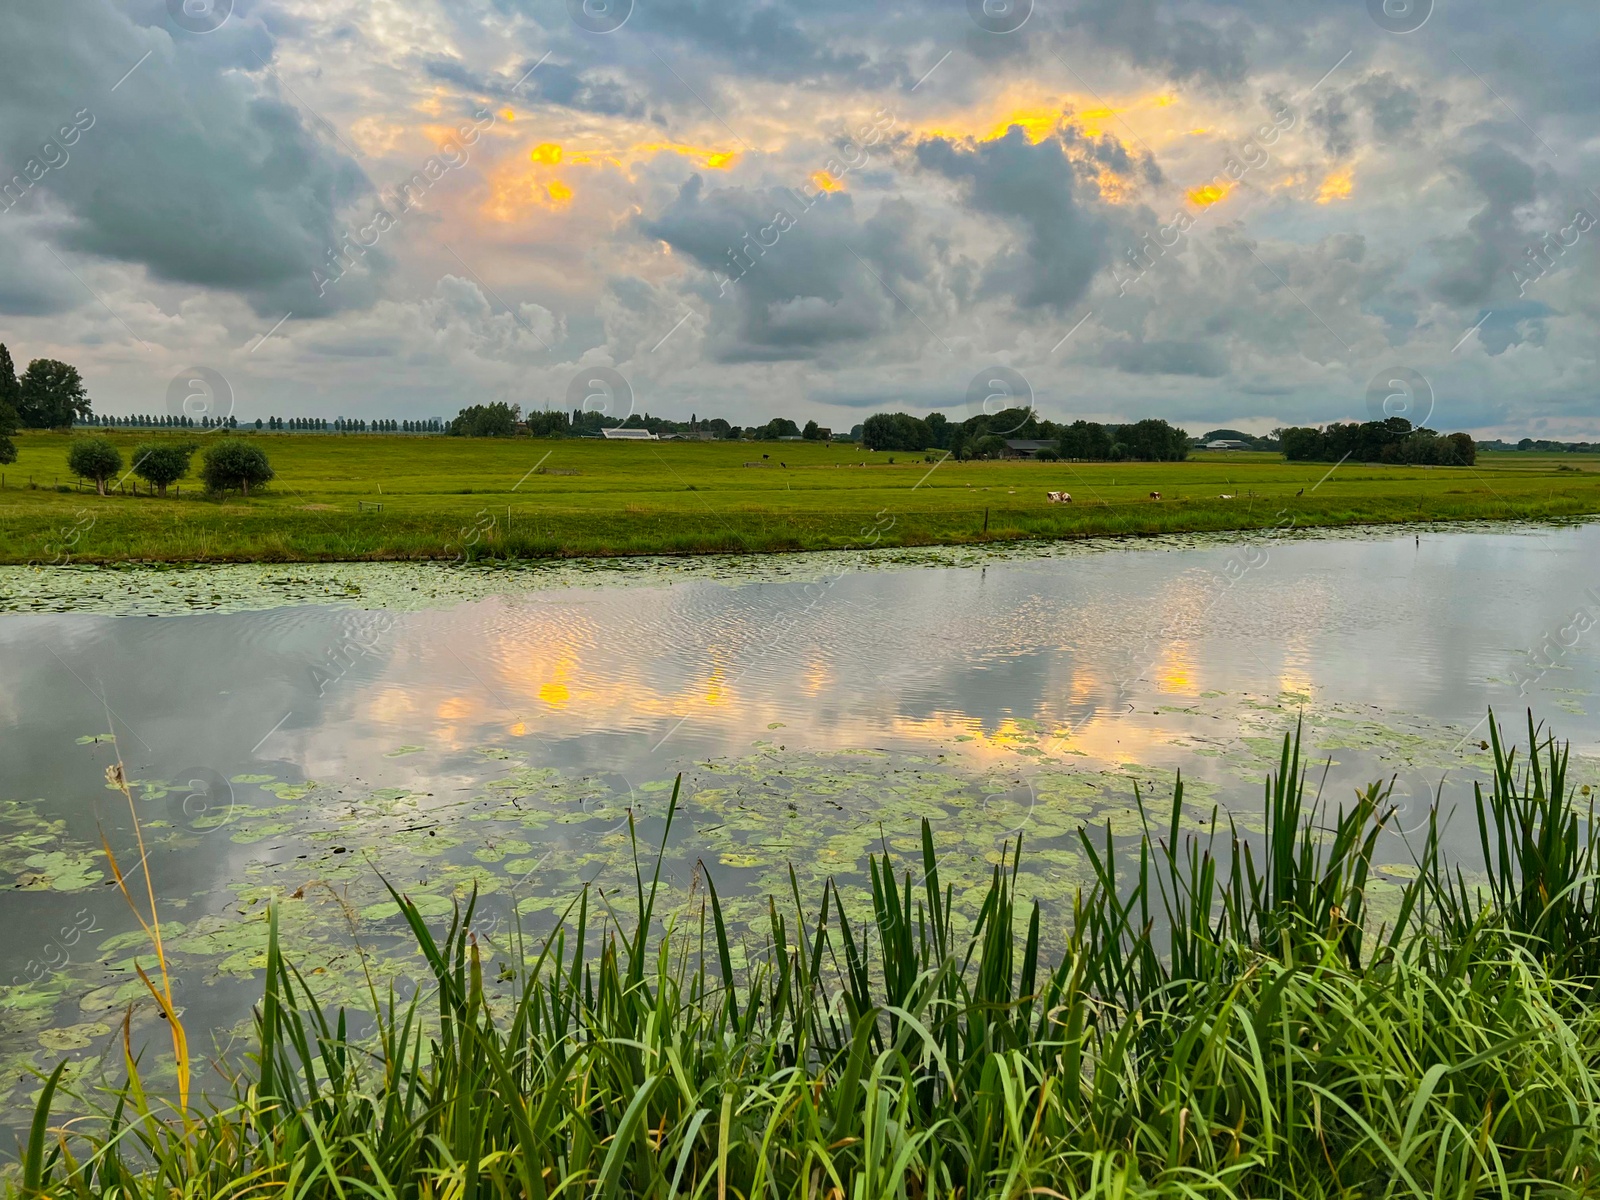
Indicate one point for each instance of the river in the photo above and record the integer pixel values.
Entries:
(292, 734)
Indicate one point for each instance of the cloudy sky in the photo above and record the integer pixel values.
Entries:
(1248, 212)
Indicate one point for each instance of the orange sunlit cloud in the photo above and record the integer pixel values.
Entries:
(826, 182)
(715, 160)
(518, 188)
(1208, 194)
(1337, 186)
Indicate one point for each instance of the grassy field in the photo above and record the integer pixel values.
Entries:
(397, 497)
(1222, 1016)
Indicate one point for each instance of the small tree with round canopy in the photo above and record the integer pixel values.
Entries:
(235, 463)
(94, 458)
(162, 463)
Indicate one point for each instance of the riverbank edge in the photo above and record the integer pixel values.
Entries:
(162, 588)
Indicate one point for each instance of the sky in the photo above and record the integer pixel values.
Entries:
(1246, 214)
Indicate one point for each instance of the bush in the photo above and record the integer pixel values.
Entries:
(235, 463)
(94, 458)
(1048, 455)
(161, 463)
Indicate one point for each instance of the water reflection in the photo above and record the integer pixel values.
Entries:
(1027, 695)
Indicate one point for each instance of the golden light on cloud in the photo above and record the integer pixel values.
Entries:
(1036, 124)
(514, 193)
(1208, 194)
(545, 152)
(507, 115)
(826, 182)
(1093, 121)
(1337, 186)
(704, 156)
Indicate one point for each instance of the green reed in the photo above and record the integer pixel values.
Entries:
(1218, 1016)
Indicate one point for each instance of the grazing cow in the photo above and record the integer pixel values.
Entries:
(1155, 495)
(1059, 497)
(1225, 496)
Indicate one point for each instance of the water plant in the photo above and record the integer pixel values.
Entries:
(1220, 1014)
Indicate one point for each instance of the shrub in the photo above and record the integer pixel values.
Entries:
(235, 463)
(94, 458)
(161, 463)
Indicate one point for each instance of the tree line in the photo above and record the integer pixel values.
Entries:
(986, 435)
(506, 420)
(1394, 440)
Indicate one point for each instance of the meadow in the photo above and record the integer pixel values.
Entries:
(1220, 1015)
(372, 496)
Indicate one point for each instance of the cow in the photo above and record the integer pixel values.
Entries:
(1059, 497)
(1225, 496)
(1155, 495)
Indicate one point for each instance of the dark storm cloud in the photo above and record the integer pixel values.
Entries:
(1032, 191)
(792, 278)
(191, 168)
(1333, 123)
(1476, 265)
(1392, 106)
(1149, 33)
(552, 83)
(1203, 359)
(32, 284)
(769, 40)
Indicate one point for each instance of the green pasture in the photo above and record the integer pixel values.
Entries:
(367, 496)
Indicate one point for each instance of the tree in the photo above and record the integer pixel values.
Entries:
(51, 395)
(895, 431)
(1086, 441)
(776, 428)
(812, 432)
(161, 463)
(235, 463)
(486, 420)
(10, 394)
(549, 423)
(1466, 450)
(8, 426)
(1153, 440)
(10, 389)
(94, 458)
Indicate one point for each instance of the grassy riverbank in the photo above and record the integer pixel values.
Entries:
(1221, 1015)
(379, 497)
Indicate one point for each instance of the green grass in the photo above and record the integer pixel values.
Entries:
(450, 498)
(1216, 1017)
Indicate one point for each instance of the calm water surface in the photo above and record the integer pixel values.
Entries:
(296, 752)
